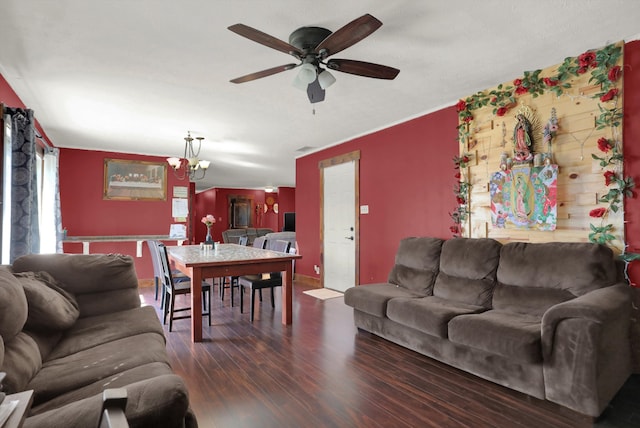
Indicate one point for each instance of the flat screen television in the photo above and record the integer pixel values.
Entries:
(289, 222)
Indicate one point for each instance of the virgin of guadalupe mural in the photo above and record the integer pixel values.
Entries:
(524, 198)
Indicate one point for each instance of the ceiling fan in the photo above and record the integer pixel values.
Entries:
(312, 46)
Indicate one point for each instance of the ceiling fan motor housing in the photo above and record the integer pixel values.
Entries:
(307, 38)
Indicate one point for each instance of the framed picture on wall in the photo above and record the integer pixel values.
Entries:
(135, 180)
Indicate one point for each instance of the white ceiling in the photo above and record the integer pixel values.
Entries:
(134, 75)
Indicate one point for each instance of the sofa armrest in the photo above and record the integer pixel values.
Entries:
(586, 349)
(599, 306)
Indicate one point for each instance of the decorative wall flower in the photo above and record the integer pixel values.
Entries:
(611, 94)
(614, 73)
(597, 212)
(609, 177)
(587, 59)
(604, 145)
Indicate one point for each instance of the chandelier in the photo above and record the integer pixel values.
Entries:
(189, 165)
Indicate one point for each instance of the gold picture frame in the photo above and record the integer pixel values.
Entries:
(133, 180)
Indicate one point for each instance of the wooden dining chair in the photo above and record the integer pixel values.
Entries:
(266, 280)
(173, 289)
(232, 281)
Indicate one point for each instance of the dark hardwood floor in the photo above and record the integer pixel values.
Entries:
(322, 372)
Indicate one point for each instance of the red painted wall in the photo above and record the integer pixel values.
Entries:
(631, 140)
(9, 98)
(286, 204)
(85, 213)
(215, 201)
(406, 178)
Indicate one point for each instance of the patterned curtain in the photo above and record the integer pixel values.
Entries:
(25, 233)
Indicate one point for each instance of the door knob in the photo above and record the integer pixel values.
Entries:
(349, 237)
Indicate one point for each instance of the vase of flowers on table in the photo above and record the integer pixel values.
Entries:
(208, 221)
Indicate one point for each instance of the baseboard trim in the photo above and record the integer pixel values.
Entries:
(308, 280)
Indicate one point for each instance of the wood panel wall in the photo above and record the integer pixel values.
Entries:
(580, 178)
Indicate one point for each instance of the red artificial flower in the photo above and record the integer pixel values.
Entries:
(502, 111)
(460, 200)
(614, 73)
(457, 175)
(467, 119)
(597, 212)
(465, 159)
(550, 82)
(494, 100)
(609, 177)
(587, 59)
(609, 95)
(582, 70)
(521, 90)
(517, 82)
(604, 145)
(453, 229)
(461, 106)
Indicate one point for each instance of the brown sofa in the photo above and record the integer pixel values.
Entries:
(231, 236)
(72, 326)
(549, 320)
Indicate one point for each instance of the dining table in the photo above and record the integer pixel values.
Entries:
(222, 260)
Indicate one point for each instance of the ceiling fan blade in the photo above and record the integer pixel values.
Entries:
(349, 35)
(265, 39)
(361, 68)
(263, 73)
(315, 92)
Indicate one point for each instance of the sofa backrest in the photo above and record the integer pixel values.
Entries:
(535, 276)
(102, 283)
(468, 270)
(416, 265)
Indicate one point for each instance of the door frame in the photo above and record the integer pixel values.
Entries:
(337, 160)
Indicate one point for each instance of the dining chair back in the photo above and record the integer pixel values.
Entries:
(173, 289)
(259, 242)
(231, 282)
(157, 272)
(259, 282)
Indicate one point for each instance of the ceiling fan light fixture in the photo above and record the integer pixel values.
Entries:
(307, 73)
(299, 84)
(326, 79)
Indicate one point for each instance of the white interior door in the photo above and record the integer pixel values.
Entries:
(339, 226)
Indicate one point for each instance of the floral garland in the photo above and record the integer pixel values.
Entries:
(461, 213)
(602, 65)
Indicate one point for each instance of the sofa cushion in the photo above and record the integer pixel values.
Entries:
(574, 267)
(65, 374)
(528, 300)
(510, 335)
(427, 314)
(50, 306)
(416, 265)
(92, 331)
(159, 402)
(13, 305)
(117, 380)
(468, 271)
(22, 361)
(373, 298)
